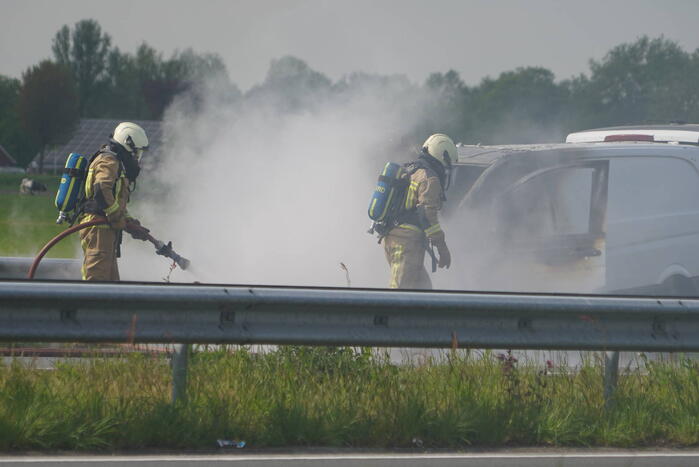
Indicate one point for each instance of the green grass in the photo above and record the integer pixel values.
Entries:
(341, 397)
(27, 222)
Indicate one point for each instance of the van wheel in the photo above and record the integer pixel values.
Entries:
(678, 286)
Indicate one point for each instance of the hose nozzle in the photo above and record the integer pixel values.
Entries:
(165, 249)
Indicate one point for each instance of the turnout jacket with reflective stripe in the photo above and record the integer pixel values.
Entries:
(425, 196)
(108, 186)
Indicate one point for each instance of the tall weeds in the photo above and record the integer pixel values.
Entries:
(298, 396)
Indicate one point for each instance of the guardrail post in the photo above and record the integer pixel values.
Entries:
(611, 375)
(179, 362)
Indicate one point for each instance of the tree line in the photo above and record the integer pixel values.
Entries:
(650, 80)
(88, 77)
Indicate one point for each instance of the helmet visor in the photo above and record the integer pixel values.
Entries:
(138, 153)
(447, 170)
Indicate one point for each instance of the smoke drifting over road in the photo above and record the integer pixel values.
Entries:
(272, 187)
(254, 192)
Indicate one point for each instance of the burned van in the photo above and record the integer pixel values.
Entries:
(614, 210)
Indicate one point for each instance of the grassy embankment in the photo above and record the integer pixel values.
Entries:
(325, 397)
(27, 222)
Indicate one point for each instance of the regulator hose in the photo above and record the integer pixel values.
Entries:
(57, 239)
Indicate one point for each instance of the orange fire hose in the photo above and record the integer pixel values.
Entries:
(57, 239)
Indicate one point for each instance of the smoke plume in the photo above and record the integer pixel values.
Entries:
(255, 192)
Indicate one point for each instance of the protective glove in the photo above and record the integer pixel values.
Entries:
(136, 230)
(444, 255)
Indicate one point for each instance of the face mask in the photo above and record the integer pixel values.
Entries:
(130, 163)
(447, 171)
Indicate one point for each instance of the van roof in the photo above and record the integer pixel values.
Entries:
(488, 155)
(673, 133)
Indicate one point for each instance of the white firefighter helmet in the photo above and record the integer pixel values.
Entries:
(442, 148)
(132, 137)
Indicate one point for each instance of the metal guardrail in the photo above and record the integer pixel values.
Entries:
(89, 312)
(50, 268)
(126, 312)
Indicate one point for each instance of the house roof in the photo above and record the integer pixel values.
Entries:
(92, 133)
(6, 160)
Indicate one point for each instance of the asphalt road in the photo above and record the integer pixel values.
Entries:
(546, 458)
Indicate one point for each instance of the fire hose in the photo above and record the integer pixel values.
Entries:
(161, 248)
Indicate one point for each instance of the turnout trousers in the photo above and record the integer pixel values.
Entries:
(99, 244)
(405, 253)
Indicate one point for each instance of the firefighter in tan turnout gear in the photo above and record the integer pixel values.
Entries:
(418, 228)
(110, 179)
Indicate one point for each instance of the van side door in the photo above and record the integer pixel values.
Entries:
(552, 225)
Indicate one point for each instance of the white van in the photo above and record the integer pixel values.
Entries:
(614, 210)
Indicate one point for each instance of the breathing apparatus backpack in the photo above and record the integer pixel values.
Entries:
(72, 188)
(388, 198)
(387, 204)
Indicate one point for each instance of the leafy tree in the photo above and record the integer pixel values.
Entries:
(122, 96)
(143, 85)
(650, 80)
(449, 108)
(61, 46)
(85, 51)
(388, 91)
(190, 66)
(156, 87)
(520, 106)
(291, 85)
(399, 101)
(12, 135)
(185, 71)
(48, 105)
(204, 78)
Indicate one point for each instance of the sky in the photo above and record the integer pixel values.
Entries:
(477, 38)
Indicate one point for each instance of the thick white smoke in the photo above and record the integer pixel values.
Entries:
(254, 195)
(258, 191)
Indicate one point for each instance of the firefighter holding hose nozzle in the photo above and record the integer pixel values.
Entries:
(95, 192)
(111, 177)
